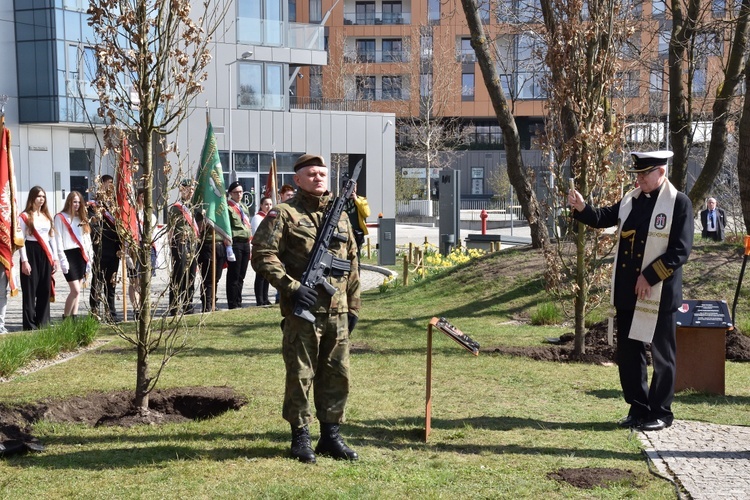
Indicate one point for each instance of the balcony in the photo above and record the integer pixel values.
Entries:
(376, 56)
(276, 102)
(376, 18)
(271, 33)
(393, 94)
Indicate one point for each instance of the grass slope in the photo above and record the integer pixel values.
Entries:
(500, 424)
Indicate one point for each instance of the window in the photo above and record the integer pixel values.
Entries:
(433, 11)
(425, 46)
(709, 44)
(658, 8)
(425, 85)
(467, 87)
(392, 50)
(262, 86)
(631, 48)
(718, 8)
(81, 72)
(365, 12)
(316, 82)
(664, 42)
(528, 11)
(656, 80)
(391, 88)
(529, 67)
(631, 8)
(392, 13)
(316, 11)
(627, 84)
(484, 11)
(365, 87)
(486, 133)
(260, 22)
(477, 180)
(466, 51)
(366, 50)
(700, 78)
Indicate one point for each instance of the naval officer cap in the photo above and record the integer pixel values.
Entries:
(645, 162)
(308, 160)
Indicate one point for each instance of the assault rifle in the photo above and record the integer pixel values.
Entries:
(322, 262)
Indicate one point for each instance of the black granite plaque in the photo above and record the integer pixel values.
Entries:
(704, 313)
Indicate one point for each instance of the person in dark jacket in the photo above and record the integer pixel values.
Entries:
(106, 250)
(654, 239)
(713, 221)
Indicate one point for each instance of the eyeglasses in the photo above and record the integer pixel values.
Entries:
(641, 175)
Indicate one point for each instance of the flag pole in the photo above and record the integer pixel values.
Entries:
(213, 270)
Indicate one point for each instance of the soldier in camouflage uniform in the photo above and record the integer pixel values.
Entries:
(183, 238)
(313, 353)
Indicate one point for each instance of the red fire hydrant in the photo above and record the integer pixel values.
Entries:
(483, 215)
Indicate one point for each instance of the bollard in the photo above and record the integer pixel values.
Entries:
(406, 271)
(483, 215)
(369, 253)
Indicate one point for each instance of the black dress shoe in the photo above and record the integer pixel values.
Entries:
(630, 421)
(654, 425)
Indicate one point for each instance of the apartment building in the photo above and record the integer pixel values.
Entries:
(257, 55)
(400, 55)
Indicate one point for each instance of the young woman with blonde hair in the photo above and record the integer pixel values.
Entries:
(73, 239)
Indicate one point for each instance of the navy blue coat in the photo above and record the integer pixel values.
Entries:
(666, 268)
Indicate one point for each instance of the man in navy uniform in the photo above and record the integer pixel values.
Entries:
(654, 239)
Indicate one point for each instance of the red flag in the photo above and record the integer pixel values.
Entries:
(10, 232)
(270, 190)
(125, 195)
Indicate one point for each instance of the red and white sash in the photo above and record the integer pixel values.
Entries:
(237, 208)
(46, 249)
(73, 235)
(188, 217)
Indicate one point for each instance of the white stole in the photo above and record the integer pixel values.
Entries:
(646, 310)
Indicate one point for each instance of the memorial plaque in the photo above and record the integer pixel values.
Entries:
(704, 313)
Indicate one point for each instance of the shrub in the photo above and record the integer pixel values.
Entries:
(546, 313)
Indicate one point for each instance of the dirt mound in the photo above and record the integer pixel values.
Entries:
(178, 404)
(598, 350)
(592, 477)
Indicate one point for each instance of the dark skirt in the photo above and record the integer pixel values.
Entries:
(76, 265)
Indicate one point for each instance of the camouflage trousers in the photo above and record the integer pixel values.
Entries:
(317, 356)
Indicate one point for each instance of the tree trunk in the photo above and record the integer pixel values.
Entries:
(518, 175)
(721, 110)
(743, 155)
(680, 101)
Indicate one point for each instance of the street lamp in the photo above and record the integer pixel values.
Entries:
(244, 56)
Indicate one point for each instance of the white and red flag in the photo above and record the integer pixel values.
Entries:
(10, 232)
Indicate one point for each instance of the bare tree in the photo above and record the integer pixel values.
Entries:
(432, 132)
(520, 177)
(583, 44)
(152, 57)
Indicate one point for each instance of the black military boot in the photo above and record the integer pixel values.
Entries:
(301, 446)
(332, 444)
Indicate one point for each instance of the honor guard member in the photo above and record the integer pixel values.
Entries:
(106, 250)
(314, 353)
(183, 238)
(654, 238)
(239, 220)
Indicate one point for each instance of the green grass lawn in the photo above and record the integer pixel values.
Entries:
(500, 423)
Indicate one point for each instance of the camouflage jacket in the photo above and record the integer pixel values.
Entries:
(282, 246)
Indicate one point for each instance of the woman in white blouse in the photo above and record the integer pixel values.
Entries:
(38, 259)
(73, 239)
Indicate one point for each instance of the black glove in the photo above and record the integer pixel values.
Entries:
(352, 321)
(305, 297)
